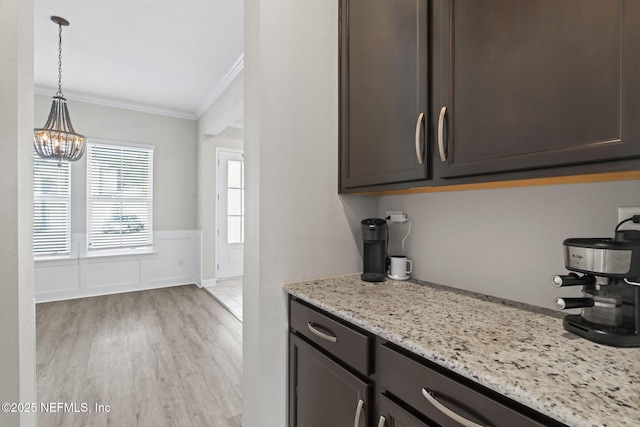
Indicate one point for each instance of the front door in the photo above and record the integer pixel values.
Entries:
(230, 213)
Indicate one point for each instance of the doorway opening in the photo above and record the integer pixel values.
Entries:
(229, 253)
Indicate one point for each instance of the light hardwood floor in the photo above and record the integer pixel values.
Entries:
(165, 357)
(229, 293)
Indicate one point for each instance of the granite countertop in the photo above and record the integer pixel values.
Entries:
(514, 349)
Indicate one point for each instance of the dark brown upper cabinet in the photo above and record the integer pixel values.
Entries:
(383, 92)
(531, 84)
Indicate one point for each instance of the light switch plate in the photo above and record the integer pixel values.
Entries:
(625, 212)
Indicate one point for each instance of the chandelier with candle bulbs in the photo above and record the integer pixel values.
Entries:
(57, 139)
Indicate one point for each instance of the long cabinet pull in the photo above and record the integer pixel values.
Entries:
(443, 154)
(382, 422)
(448, 412)
(419, 154)
(312, 328)
(356, 423)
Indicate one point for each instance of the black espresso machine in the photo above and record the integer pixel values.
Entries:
(374, 236)
(609, 272)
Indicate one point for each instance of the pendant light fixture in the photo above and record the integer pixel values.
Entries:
(57, 139)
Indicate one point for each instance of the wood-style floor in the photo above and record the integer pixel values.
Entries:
(165, 357)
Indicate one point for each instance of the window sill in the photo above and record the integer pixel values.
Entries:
(119, 253)
(70, 260)
(55, 258)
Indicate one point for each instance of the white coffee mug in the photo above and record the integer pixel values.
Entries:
(400, 267)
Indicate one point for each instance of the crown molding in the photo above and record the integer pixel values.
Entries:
(153, 109)
(117, 103)
(213, 96)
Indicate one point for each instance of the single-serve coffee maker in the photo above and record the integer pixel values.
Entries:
(374, 237)
(609, 272)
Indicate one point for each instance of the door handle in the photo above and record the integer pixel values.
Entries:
(443, 154)
(382, 421)
(315, 331)
(448, 412)
(419, 154)
(356, 423)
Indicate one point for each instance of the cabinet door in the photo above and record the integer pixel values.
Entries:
(536, 83)
(321, 392)
(383, 91)
(393, 415)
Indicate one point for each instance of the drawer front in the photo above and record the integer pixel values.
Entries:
(405, 378)
(340, 340)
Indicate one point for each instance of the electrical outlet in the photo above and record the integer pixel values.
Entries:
(396, 216)
(625, 212)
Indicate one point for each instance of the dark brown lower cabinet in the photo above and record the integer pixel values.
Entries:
(323, 393)
(343, 376)
(392, 415)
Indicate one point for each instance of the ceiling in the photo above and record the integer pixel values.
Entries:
(161, 56)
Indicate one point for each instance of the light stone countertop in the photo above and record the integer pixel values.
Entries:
(515, 349)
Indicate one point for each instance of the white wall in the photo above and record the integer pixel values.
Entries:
(17, 311)
(297, 226)
(505, 242)
(176, 257)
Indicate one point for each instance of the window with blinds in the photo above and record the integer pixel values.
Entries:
(51, 207)
(119, 197)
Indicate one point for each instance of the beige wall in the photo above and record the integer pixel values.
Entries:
(174, 158)
(505, 242)
(17, 308)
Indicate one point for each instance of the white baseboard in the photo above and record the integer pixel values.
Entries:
(208, 283)
(69, 295)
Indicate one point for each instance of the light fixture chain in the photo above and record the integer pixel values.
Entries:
(59, 61)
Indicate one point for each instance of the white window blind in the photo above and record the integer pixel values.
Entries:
(51, 207)
(119, 197)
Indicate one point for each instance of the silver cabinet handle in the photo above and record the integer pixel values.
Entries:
(443, 155)
(321, 334)
(448, 412)
(382, 421)
(418, 133)
(356, 423)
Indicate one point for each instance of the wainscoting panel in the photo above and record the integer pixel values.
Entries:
(175, 260)
(104, 272)
(57, 276)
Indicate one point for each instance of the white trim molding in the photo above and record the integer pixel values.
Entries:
(207, 283)
(208, 101)
(117, 103)
(175, 260)
(219, 89)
